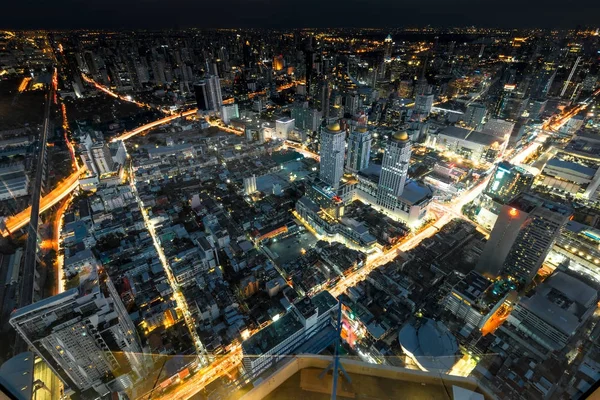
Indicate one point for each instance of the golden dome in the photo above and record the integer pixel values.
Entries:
(401, 135)
(335, 127)
(362, 129)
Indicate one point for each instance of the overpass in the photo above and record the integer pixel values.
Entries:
(18, 221)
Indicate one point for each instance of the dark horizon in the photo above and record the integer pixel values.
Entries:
(244, 14)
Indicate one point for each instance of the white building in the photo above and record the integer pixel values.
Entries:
(394, 170)
(471, 144)
(250, 185)
(283, 128)
(359, 149)
(333, 146)
(228, 112)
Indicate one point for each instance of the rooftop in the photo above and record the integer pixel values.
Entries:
(527, 202)
(573, 166)
(561, 301)
(470, 135)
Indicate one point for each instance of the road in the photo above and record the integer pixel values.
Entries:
(63, 189)
(154, 124)
(177, 294)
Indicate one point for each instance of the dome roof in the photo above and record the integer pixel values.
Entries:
(401, 135)
(335, 127)
(362, 129)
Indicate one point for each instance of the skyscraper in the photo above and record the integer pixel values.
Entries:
(208, 94)
(86, 336)
(332, 154)
(507, 182)
(387, 50)
(474, 116)
(522, 237)
(359, 149)
(394, 170)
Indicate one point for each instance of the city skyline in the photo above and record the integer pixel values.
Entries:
(234, 213)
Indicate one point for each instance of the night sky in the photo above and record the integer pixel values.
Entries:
(155, 14)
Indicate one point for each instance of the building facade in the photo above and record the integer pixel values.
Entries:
(332, 151)
(359, 150)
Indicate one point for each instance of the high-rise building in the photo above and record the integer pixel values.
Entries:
(208, 94)
(474, 116)
(359, 149)
(387, 50)
(394, 170)
(250, 185)
(332, 151)
(522, 237)
(507, 182)
(423, 104)
(228, 112)
(86, 336)
(306, 118)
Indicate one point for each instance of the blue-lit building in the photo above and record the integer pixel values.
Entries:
(306, 328)
(507, 182)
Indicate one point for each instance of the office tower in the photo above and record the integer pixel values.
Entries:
(394, 170)
(507, 182)
(250, 185)
(308, 66)
(522, 237)
(554, 312)
(351, 103)
(474, 116)
(228, 112)
(359, 149)
(332, 154)
(387, 49)
(208, 94)
(306, 118)
(423, 104)
(86, 336)
(102, 158)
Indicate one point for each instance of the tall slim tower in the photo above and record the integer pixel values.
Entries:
(394, 170)
(332, 154)
(359, 149)
(208, 94)
(86, 336)
(522, 237)
(387, 49)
